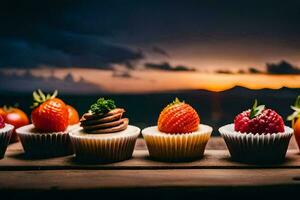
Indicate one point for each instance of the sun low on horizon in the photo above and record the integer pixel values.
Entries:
(145, 81)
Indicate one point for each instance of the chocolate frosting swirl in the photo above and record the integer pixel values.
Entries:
(104, 123)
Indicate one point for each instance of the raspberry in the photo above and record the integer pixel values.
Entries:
(263, 121)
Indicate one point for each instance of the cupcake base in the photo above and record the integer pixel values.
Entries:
(176, 147)
(5, 135)
(111, 147)
(256, 148)
(37, 144)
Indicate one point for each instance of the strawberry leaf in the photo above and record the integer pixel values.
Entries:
(256, 110)
(42, 95)
(296, 108)
(39, 97)
(176, 101)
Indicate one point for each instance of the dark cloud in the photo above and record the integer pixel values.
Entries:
(53, 48)
(282, 67)
(58, 33)
(241, 71)
(21, 53)
(122, 74)
(93, 33)
(167, 67)
(221, 71)
(29, 82)
(160, 51)
(253, 70)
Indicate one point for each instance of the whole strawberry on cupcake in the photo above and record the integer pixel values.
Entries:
(14, 116)
(257, 135)
(178, 136)
(48, 135)
(105, 134)
(5, 135)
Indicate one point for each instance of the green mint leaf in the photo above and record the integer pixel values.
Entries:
(102, 106)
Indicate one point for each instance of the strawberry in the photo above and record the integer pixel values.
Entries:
(259, 120)
(2, 124)
(178, 117)
(50, 114)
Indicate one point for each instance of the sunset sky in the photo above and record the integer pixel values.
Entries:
(145, 46)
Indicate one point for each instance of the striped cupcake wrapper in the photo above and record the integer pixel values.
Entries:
(5, 135)
(176, 147)
(37, 144)
(256, 147)
(112, 147)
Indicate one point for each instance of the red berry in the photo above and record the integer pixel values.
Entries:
(51, 116)
(2, 124)
(50, 113)
(178, 117)
(267, 121)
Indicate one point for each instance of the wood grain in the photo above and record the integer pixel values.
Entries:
(213, 159)
(215, 177)
(101, 179)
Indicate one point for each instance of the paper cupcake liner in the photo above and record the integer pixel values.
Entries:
(176, 147)
(251, 147)
(38, 144)
(5, 135)
(110, 147)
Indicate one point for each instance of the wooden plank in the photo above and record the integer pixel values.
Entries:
(213, 159)
(102, 179)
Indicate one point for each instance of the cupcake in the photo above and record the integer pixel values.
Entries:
(48, 135)
(16, 117)
(5, 135)
(178, 136)
(104, 134)
(257, 135)
(295, 118)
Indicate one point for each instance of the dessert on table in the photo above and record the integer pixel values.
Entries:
(104, 134)
(178, 136)
(5, 135)
(48, 135)
(257, 135)
(16, 117)
(295, 118)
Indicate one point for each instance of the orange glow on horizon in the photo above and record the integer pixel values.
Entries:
(155, 81)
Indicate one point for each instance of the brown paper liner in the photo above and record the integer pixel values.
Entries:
(37, 144)
(176, 147)
(112, 147)
(5, 135)
(257, 148)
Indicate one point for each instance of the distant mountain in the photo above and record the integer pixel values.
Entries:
(278, 93)
(27, 82)
(240, 91)
(214, 108)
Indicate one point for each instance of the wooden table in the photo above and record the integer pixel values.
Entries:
(214, 176)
